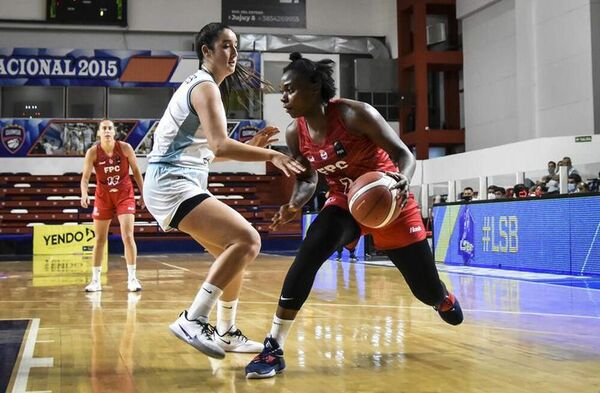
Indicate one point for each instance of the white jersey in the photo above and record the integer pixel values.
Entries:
(179, 139)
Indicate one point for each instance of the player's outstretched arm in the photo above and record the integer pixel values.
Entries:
(304, 188)
(206, 100)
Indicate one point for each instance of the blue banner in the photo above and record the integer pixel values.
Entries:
(100, 67)
(68, 138)
(558, 235)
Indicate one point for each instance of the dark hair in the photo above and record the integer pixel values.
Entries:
(242, 80)
(467, 188)
(520, 191)
(320, 72)
(552, 162)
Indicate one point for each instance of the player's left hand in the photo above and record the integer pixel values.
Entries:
(264, 137)
(401, 185)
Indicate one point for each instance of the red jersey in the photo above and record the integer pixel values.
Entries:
(114, 189)
(342, 157)
(112, 172)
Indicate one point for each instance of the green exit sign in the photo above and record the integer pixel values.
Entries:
(587, 138)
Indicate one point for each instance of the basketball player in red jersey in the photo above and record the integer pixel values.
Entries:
(343, 139)
(111, 160)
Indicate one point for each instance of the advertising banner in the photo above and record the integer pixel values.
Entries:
(102, 67)
(264, 13)
(64, 240)
(558, 235)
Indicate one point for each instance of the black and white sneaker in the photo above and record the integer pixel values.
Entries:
(236, 341)
(197, 334)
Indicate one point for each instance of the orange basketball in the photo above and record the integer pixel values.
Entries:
(371, 201)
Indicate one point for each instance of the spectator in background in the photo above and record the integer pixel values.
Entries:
(582, 187)
(491, 192)
(520, 191)
(572, 183)
(88, 137)
(570, 170)
(538, 190)
(443, 198)
(594, 184)
(467, 194)
(551, 179)
(500, 193)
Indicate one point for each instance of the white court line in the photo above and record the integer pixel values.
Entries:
(590, 249)
(177, 267)
(45, 341)
(28, 361)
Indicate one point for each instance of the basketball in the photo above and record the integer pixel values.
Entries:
(371, 201)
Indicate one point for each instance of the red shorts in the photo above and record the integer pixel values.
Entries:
(407, 229)
(109, 201)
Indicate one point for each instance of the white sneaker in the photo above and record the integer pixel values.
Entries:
(235, 341)
(134, 285)
(197, 334)
(93, 286)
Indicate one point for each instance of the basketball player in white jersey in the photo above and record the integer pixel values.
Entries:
(191, 133)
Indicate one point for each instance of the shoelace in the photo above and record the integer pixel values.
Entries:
(207, 329)
(241, 336)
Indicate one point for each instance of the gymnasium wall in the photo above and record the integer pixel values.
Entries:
(169, 25)
(528, 70)
(530, 155)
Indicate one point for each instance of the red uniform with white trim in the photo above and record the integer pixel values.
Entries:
(342, 158)
(114, 189)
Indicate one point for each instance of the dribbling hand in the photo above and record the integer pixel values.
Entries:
(264, 137)
(287, 164)
(401, 185)
(285, 214)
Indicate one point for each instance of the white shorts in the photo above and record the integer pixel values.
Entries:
(167, 186)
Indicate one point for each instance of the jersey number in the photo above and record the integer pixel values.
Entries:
(346, 182)
(113, 180)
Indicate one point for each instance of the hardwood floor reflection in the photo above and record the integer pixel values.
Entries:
(360, 331)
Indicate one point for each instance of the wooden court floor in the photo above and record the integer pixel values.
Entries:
(360, 331)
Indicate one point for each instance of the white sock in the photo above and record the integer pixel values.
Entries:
(280, 329)
(226, 316)
(130, 271)
(96, 272)
(204, 302)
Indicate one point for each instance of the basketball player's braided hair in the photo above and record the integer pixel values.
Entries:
(320, 72)
(242, 81)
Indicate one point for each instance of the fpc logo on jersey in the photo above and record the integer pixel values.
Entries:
(13, 137)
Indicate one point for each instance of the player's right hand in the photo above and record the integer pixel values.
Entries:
(85, 201)
(264, 137)
(287, 164)
(285, 214)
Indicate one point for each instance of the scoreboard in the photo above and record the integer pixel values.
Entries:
(87, 12)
